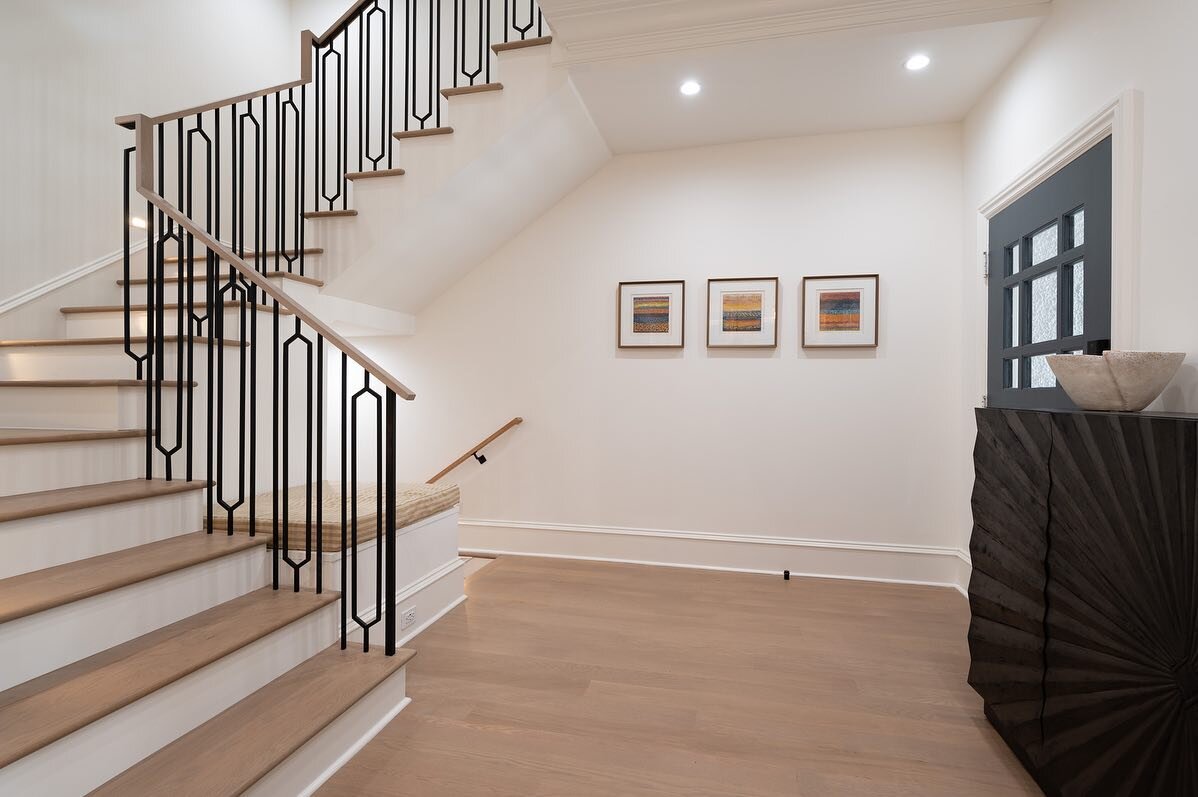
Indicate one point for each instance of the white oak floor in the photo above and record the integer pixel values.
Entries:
(579, 678)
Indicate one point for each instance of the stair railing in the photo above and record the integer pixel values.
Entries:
(226, 188)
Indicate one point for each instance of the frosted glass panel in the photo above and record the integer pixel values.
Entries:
(1044, 308)
(1042, 375)
(1079, 227)
(1013, 266)
(1044, 245)
(1079, 297)
(1013, 316)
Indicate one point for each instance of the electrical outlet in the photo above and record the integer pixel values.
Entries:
(407, 618)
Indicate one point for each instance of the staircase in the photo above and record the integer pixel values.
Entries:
(147, 646)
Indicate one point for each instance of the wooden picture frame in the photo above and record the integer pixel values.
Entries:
(651, 314)
(840, 311)
(744, 314)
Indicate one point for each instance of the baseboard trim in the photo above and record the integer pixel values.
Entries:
(67, 277)
(853, 560)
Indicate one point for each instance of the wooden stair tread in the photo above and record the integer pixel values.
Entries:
(375, 173)
(288, 275)
(47, 708)
(308, 250)
(84, 383)
(328, 214)
(428, 131)
(70, 499)
(236, 748)
(51, 342)
(458, 91)
(24, 437)
(40, 590)
(166, 308)
(539, 41)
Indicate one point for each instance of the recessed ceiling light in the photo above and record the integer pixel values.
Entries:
(918, 62)
(138, 222)
(690, 88)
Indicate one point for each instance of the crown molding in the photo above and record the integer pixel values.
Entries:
(602, 30)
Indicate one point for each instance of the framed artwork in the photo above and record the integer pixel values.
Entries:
(651, 315)
(742, 313)
(840, 312)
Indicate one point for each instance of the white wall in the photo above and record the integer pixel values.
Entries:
(70, 67)
(1085, 55)
(788, 445)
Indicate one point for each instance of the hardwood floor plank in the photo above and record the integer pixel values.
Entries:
(582, 678)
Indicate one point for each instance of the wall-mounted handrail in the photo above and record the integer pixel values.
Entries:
(490, 439)
(144, 178)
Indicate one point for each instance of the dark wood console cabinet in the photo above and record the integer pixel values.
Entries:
(1084, 595)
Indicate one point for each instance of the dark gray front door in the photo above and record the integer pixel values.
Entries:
(1050, 281)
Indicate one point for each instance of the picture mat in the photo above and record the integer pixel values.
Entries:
(814, 288)
(630, 293)
(764, 337)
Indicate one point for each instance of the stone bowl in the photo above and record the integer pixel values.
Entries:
(1118, 381)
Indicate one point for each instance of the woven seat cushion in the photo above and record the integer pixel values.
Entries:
(413, 503)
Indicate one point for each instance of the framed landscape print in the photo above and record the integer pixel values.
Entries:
(742, 313)
(840, 311)
(651, 315)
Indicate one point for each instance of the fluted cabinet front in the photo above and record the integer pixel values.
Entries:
(1107, 523)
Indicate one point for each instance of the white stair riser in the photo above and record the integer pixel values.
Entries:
(49, 466)
(95, 754)
(112, 324)
(45, 641)
(101, 407)
(137, 292)
(108, 361)
(303, 772)
(39, 542)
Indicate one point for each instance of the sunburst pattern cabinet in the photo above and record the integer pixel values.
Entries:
(1084, 595)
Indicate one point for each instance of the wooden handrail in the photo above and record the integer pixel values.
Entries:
(502, 430)
(144, 127)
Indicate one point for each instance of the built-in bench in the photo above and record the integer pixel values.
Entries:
(429, 571)
(413, 503)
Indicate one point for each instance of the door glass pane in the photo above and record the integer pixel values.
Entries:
(1013, 259)
(1044, 245)
(1013, 316)
(1079, 227)
(1079, 297)
(1044, 307)
(1042, 375)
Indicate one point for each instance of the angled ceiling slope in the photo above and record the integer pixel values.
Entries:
(598, 30)
(781, 68)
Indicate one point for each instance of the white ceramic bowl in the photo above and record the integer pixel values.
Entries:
(1118, 381)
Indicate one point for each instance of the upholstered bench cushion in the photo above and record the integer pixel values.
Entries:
(413, 503)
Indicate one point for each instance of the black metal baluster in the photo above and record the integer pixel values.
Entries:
(344, 506)
(317, 431)
(389, 498)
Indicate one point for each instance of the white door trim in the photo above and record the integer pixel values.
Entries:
(1122, 119)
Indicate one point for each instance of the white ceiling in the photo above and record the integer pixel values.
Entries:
(775, 68)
